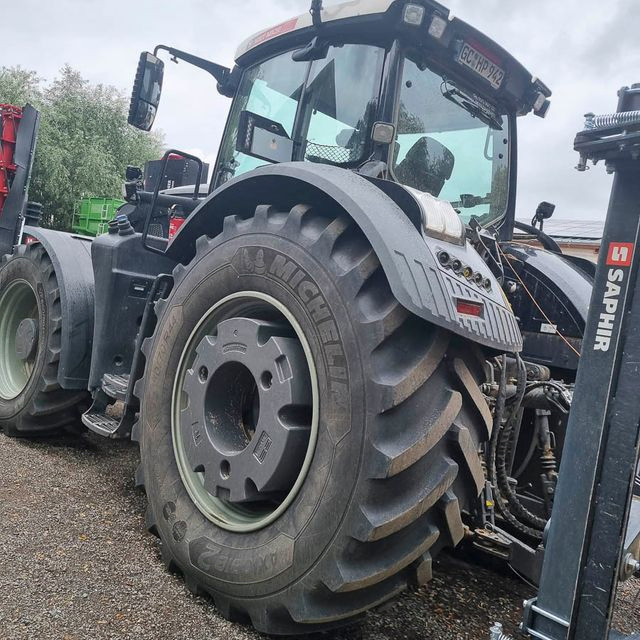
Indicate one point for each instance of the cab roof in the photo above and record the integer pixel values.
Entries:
(382, 20)
(342, 11)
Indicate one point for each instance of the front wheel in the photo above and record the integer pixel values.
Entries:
(307, 444)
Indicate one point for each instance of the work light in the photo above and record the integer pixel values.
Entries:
(437, 27)
(413, 14)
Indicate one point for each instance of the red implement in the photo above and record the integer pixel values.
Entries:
(9, 121)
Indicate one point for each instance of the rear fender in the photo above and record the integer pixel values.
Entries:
(71, 258)
(408, 258)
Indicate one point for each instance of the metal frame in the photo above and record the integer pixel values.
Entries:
(586, 538)
(156, 192)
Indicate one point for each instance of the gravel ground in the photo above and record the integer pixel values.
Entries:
(76, 563)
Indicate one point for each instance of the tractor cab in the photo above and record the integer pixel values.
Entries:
(392, 89)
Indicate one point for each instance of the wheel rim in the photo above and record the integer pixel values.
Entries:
(18, 338)
(244, 411)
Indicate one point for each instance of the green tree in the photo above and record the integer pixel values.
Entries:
(84, 143)
(19, 86)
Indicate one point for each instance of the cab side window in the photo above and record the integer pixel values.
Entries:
(341, 102)
(272, 89)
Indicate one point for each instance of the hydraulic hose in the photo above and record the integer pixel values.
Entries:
(506, 498)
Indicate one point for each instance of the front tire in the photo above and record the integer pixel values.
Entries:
(32, 403)
(393, 462)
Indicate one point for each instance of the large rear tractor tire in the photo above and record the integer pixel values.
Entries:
(32, 403)
(307, 444)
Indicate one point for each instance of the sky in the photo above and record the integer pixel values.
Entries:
(584, 50)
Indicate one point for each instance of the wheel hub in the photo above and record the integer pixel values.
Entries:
(18, 337)
(26, 340)
(246, 416)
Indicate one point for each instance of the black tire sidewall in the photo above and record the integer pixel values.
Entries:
(262, 562)
(22, 268)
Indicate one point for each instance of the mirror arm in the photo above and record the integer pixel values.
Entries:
(222, 74)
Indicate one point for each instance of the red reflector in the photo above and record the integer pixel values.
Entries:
(470, 308)
(174, 226)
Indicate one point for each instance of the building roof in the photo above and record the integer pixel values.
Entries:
(572, 231)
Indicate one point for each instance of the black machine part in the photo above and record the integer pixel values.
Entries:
(176, 188)
(316, 13)
(547, 284)
(129, 280)
(546, 241)
(179, 172)
(588, 531)
(151, 242)
(226, 78)
(71, 258)
(521, 461)
(125, 274)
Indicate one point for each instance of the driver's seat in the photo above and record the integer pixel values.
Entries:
(427, 166)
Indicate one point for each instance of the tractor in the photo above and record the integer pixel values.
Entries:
(342, 363)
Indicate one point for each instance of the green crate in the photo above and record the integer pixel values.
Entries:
(92, 215)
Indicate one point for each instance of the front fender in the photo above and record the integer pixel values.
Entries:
(408, 259)
(71, 258)
(562, 291)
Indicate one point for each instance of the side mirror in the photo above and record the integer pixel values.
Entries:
(263, 138)
(147, 89)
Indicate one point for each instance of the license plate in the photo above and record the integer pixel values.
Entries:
(490, 71)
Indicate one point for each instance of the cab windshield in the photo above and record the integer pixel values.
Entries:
(444, 149)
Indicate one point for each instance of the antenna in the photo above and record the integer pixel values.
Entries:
(316, 12)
